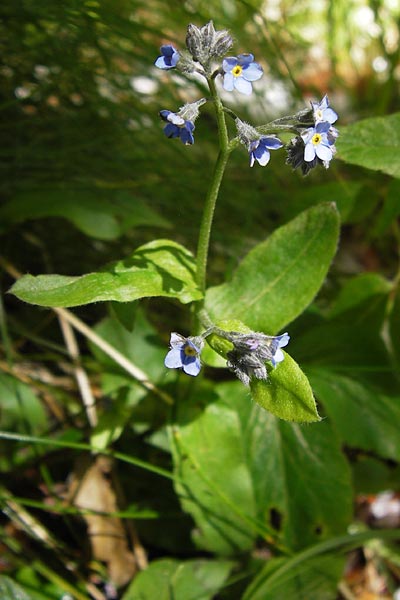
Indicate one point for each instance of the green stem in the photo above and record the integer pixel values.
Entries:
(213, 190)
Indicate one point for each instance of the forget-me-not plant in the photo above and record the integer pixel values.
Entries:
(248, 354)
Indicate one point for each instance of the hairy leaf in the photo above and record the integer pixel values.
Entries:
(277, 280)
(159, 268)
(372, 143)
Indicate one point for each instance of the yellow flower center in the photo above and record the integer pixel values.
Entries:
(236, 71)
(189, 350)
(316, 138)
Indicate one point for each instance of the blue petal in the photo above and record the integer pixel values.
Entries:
(228, 82)
(161, 63)
(193, 367)
(322, 127)
(262, 155)
(173, 360)
(330, 115)
(177, 339)
(272, 143)
(186, 134)
(324, 152)
(245, 59)
(283, 340)
(229, 63)
(164, 114)
(309, 152)
(171, 131)
(253, 72)
(243, 86)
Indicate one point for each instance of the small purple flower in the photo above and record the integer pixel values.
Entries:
(178, 127)
(184, 354)
(239, 72)
(323, 112)
(318, 143)
(259, 149)
(169, 57)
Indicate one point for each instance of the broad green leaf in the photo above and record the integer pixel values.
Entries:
(372, 143)
(101, 215)
(277, 280)
(363, 418)
(190, 580)
(287, 393)
(358, 289)
(313, 578)
(246, 473)
(159, 268)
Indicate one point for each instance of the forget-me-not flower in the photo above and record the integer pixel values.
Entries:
(239, 72)
(178, 127)
(259, 149)
(317, 143)
(322, 111)
(169, 57)
(184, 354)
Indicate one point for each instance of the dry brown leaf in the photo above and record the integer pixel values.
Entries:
(93, 488)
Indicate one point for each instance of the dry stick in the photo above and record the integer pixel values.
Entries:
(80, 374)
(113, 353)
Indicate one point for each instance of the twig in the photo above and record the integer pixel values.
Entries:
(79, 372)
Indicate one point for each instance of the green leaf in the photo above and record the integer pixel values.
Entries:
(313, 578)
(101, 215)
(190, 580)
(21, 410)
(247, 474)
(363, 418)
(394, 327)
(287, 393)
(358, 289)
(277, 280)
(159, 268)
(372, 143)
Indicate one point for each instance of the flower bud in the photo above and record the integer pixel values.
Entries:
(204, 43)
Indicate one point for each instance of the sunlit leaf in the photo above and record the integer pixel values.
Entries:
(181, 580)
(287, 393)
(159, 268)
(372, 143)
(277, 280)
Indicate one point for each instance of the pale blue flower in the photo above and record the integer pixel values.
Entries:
(184, 354)
(239, 72)
(323, 112)
(317, 143)
(259, 149)
(278, 342)
(169, 57)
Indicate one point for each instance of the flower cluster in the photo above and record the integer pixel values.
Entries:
(247, 358)
(314, 143)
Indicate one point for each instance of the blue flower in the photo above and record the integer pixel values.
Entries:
(240, 72)
(318, 143)
(168, 59)
(184, 354)
(259, 149)
(178, 127)
(323, 112)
